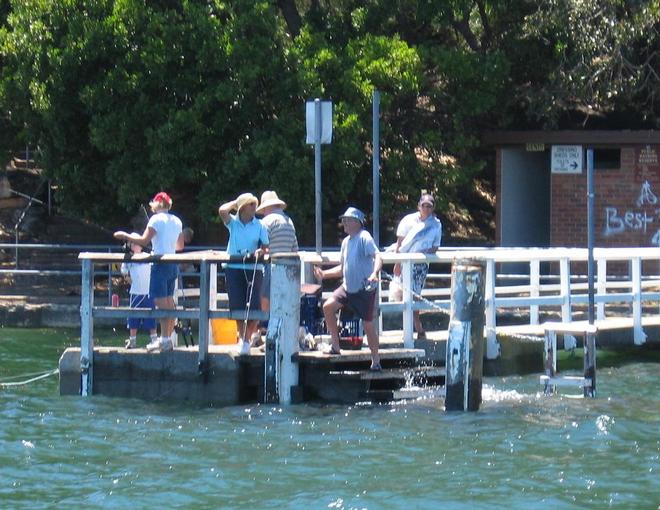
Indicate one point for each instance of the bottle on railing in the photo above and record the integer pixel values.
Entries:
(115, 300)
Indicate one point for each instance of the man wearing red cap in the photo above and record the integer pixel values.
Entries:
(164, 232)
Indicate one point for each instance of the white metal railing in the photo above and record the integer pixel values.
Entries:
(639, 284)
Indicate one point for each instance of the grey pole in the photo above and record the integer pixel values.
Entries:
(376, 165)
(590, 231)
(317, 172)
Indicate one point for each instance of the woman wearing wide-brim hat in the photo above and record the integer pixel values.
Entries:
(247, 236)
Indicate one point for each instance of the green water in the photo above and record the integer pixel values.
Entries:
(521, 450)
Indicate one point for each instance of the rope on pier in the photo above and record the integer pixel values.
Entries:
(41, 375)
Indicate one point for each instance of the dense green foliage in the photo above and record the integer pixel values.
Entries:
(205, 98)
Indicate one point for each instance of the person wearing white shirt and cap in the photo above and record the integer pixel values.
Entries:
(418, 232)
(165, 233)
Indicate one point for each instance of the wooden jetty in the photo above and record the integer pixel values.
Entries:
(216, 374)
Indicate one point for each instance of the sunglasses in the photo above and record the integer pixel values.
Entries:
(428, 206)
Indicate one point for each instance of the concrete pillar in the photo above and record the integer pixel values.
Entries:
(465, 345)
(281, 372)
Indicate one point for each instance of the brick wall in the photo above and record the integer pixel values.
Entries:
(626, 206)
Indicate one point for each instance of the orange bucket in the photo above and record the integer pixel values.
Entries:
(225, 331)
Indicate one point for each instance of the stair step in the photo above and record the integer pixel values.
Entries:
(361, 356)
(392, 373)
(406, 393)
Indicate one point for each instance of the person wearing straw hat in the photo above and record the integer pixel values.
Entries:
(281, 233)
(247, 237)
(418, 232)
(359, 265)
(165, 233)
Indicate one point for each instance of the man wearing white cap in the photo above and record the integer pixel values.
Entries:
(281, 234)
(164, 232)
(359, 264)
(418, 232)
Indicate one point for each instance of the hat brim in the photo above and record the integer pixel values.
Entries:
(247, 202)
(351, 217)
(271, 203)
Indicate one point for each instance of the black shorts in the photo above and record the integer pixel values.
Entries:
(238, 288)
(361, 302)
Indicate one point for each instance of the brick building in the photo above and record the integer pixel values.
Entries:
(541, 183)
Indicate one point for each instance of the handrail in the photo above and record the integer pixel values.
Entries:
(532, 290)
(636, 288)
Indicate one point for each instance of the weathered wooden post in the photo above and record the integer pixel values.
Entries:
(281, 372)
(87, 328)
(465, 344)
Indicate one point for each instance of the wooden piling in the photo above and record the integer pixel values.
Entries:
(281, 371)
(465, 346)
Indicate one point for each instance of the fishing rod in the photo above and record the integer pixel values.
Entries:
(251, 285)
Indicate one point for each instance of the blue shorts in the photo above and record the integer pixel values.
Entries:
(163, 279)
(238, 288)
(141, 301)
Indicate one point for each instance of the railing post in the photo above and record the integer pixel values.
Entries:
(550, 359)
(565, 289)
(465, 343)
(203, 335)
(639, 336)
(601, 287)
(283, 324)
(590, 363)
(87, 328)
(492, 345)
(406, 281)
(534, 289)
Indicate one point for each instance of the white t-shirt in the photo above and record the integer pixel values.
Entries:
(419, 236)
(140, 277)
(167, 227)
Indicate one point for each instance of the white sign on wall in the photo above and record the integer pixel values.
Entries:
(566, 159)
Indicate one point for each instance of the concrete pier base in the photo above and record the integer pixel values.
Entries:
(171, 375)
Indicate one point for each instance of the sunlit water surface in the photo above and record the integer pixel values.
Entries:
(521, 450)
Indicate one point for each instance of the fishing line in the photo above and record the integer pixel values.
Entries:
(251, 286)
(42, 375)
(513, 336)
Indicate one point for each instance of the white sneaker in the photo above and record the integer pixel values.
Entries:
(255, 339)
(245, 348)
(130, 343)
(162, 345)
